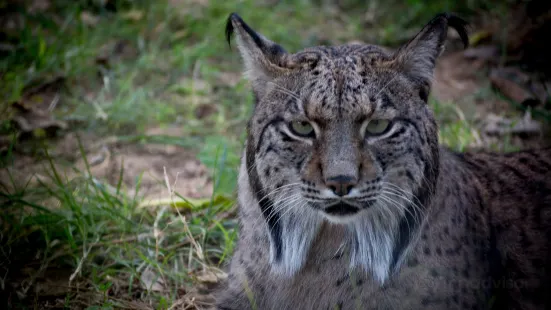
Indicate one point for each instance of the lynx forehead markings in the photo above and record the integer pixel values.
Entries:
(346, 199)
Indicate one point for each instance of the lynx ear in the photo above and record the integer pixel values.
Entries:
(417, 58)
(264, 60)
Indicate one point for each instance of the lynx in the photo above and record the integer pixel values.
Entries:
(347, 200)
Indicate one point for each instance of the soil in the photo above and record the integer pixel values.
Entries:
(106, 158)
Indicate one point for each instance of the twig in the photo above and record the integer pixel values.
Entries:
(156, 232)
(197, 247)
(54, 103)
(80, 263)
(194, 78)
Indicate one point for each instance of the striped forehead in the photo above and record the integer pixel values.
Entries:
(343, 89)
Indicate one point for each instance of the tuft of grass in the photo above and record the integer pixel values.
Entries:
(116, 246)
(455, 129)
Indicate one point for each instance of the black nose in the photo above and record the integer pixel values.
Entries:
(341, 185)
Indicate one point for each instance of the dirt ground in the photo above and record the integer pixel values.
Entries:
(107, 157)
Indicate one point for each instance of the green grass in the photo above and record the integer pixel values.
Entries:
(110, 239)
(456, 130)
(150, 65)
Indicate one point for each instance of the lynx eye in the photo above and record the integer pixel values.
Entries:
(377, 126)
(302, 129)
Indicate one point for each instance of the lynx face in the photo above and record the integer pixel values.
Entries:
(345, 136)
(342, 134)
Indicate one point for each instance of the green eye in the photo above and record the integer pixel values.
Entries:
(303, 129)
(377, 126)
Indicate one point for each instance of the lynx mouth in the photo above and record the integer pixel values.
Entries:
(341, 209)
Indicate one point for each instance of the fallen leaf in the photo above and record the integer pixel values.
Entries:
(204, 110)
(114, 51)
(479, 36)
(31, 122)
(133, 15)
(515, 91)
(88, 19)
(151, 281)
(498, 125)
(211, 276)
(38, 6)
(34, 110)
(180, 34)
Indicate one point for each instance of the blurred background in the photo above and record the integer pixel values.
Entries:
(121, 126)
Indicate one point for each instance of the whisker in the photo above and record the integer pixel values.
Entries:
(400, 191)
(388, 212)
(417, 212)
(279, 204)
(285, 91)
(282, 204)
(416, 207)
(291, 207)
(387, 84)
(401, 208)
(402, 196)
(277, 189)
(276, 206)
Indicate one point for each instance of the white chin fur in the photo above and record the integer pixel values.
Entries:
(346, 219)
(299, 229)
(372, 245)
(371, 236)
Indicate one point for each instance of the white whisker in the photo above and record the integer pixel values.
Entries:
(285, 91)
(281, 205)
(277, 189)
(387, 84)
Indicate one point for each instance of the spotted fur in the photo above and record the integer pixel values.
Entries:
(345, 218)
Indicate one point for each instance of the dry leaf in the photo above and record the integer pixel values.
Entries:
(34, 109)
(506, 82)
(133, 15)
(498, 125)
(88, 19)
(211, 276)
(151, 281)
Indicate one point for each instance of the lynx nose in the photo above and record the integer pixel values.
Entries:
(341, 185)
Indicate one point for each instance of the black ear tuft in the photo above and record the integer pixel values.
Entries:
(441, 22)
(229, 28)
(417, 58)
(263, 59)
(460, 25)
(236, 21)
